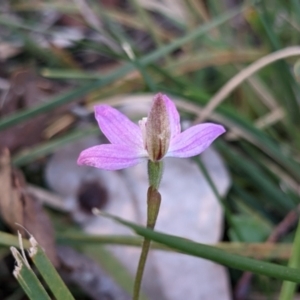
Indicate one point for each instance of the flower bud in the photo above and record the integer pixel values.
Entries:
(158, 131)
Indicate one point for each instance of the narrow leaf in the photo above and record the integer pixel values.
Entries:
(288, 288)
(27, 279)
(48, 272)
(212, 253)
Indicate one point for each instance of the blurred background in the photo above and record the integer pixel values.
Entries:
(59, 58)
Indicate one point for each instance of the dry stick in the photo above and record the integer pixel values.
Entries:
(280, 230)
(243, 75)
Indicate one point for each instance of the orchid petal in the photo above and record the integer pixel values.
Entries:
(194, 140)
(174, 118)
(111, 157)
(117, 127)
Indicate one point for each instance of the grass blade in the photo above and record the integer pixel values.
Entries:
(262, 250)
(288, 288)
(289, 97)
(7, 239)
(257, 176)
(27, 279)
(212, 253)
(48, 272)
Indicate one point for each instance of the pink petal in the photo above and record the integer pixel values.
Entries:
(111, 157)
(174, 117)
(117, 127)
(194, 140)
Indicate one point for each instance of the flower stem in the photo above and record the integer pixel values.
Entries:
(153, 204)
(140, 269)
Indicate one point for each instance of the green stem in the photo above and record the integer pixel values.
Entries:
(288, 288)
(140, 269)
(153, 204)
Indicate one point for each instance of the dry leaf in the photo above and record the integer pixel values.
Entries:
(10, 197)
(18, 206)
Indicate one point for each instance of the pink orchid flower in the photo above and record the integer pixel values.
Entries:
(157, 136)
